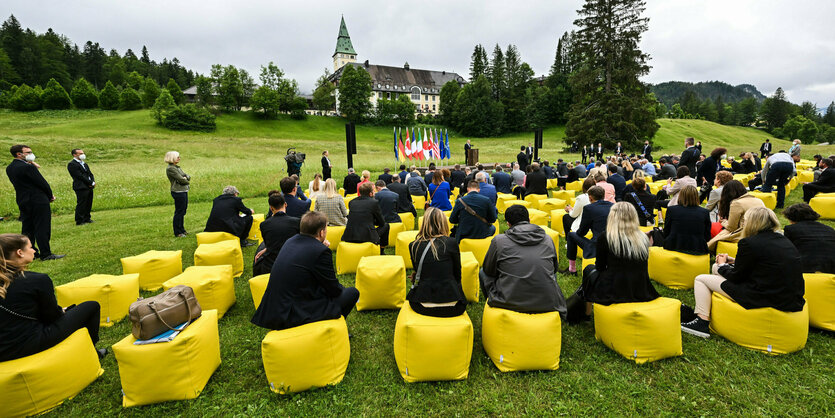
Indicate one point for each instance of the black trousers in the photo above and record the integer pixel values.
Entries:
(567, 221)
(180, 208)
(83, 205)
(86, 315)
(810, 190)
(37, 225)
(326, 173)
(348, 299)
(247, 226)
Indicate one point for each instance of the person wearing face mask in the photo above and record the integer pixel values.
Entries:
(33, 196)
(83, 183)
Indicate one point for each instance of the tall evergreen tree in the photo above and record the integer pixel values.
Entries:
(478, 62)
(109, 97)
(84, 95)
(150, 92)
(829, 116)
(176, 91)
(55, 97)
(775, 110)
(496, 75)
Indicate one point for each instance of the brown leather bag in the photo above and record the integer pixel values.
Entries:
(155, 315)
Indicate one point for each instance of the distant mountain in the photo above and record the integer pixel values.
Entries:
(670, 92)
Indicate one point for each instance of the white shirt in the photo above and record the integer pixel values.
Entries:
(577, 211)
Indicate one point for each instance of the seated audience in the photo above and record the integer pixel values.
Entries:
(573, 214)
(404, 199)
(303, 287)
(518, 175)
(474, 215)
(668, 170)
(296, 206)
(403, 174)
(275, 230)
(628, 170)
(501, 180)
(748, 164)
(439, 192)
(316, 186)
(386, 176)
(648, 167)
(519, 270)
(349, 184)
(30, 319)
(486, 189)
(332, 205)
(687, 225)
(365, 220)
(722, 178)
(225, 215)
(536, 182)
(366, 178)
(733, 204)
(600, 181)
(456, 177)
(825, 182)
(617, 181)
(814, 240)
(594, 219)
(416, 185)
(642, 200)
(766, 273)
(436, 290)
(387, 200)
(430, 173)
(668, 196)
(580, 169)
(637, 174)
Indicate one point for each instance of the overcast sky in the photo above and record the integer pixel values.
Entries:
(764, 43)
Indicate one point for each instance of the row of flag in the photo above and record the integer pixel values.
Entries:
(431, 144)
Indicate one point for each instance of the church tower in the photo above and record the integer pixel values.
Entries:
(344, 52)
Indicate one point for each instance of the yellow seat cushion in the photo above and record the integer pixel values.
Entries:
(381, 281)
(674, 269)
(418, 201)
(335, 236)
(428, 348)
(538, 217)
(654, 188)
(469, 276)
(113, 293)
(501, 198)
(805, 176)
(535, 198)
(763, 329)
(547, 205)
(478, 247)
(349, 254)
(642, 332)
(588, 262)
(525, 203)
(727, 247)
(574, 186)
(221, 253)
(307, 356)
(394, 229)
(154, 267)
(824, 206)
(255, 231)
(555, 237)
(349, 198)
(213, 286)
(37, 383)
(401, 247)
(820, 296)
(556, 221)
(172, 371)
(257, 287)
(213, 237)
(552, 184)
(742, 178)
(769, 199)
(517, 341)
(408, 220)
(563, 194)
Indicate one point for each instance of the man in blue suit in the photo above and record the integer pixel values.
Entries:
(501, 180)
(594, 218)
(388, 202)
(617, 181)
(486, 189)
(296, 206)
(474, 214)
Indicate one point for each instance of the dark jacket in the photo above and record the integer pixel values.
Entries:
(826, 182)
(456, 178)
(326, 169)
(646, 215)
(619, 183)
(707, 171)
(404, 199)
(30, 294)
(440, 278)
(522, 159)
(29, 185)
(502, 181)
(295, 206)
(687, 229)
(689, 157)
(668, 171)
(403, 176)
(549, 172)
(276, 230)
(647, 152)
(427, 178)
(489, 191)
(536, 183)
(767, 273)
(816, 244)
(386, 177)
(388, 205)
(618, 280)
(224, 215)
(520, 271)
(364, 216)
(350, 183)
(82, 177)
(469, 226)
(303, 286)
(594, 219)
(416, 185)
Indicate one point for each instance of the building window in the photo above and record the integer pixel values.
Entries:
(433, 108)
(352, 57)
(415, 93)
(379, 95)
(417, 108)
(388, 87)
(388, 96)
(426, 97)
(433, 98)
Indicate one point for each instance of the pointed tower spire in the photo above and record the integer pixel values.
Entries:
(343, 41)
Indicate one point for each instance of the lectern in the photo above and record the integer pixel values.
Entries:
(472, 156)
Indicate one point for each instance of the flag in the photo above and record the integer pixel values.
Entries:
(395, 143)
(448, 151)
(407, 146)
(426, 146)
(443, 144)
(419, 145)
(436, 146)
(431, 145)
(402, 155)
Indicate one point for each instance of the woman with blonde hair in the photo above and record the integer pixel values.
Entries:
(332, 204)
(30, 319)
(179, 191)
(436, 285)
(619, 273)
(365, 178)
(766, 273)
(316, 186)
(628, 170)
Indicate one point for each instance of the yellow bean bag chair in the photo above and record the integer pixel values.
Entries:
(562, 194)
(113, 293)
(551, 184)
(642, 332)
(37, 383)
(547, 205)
(221, 253)
(154, 267)
(418, 201)
(654, 188)
(401, 247)
(394, 229)
(348, 198)
(742, 178)
(820, 296)
(805, 176)
(501, 198)
(255, 231)
(538, 217)
(257, 287)
(469, 276)
(535, 198)
(517, 341)
(172, 371)
(769, 199)
(381, 281)
(555, 237)
(213, 286)
(307, 356)
(824, 205)
(408, 220)
(588, 262)
(791, 185)
(525, 203)
(349, 254)
(478, 247)
(574, 186)
(428, 348)
(213, 237)
(674, 269)
(726, 247)
(335, 236)
(763, 329)
(556, 221)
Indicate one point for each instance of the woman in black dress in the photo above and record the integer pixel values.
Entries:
(814, 240)
(687, 225)
(30, 319)
(436, 285)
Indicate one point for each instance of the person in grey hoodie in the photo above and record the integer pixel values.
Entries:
(520, 266)
(417, 187)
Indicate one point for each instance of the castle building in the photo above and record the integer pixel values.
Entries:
(423, 87)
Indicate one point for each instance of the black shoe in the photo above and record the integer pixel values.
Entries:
(53, 257)
(180, 235)
(246, 244)
(89, 221)
(687, 314)
(698, 327)
(102, 352)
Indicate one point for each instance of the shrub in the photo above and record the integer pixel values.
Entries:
(176, 91)
(150, 92)
(189, 117)
(163, 105)
(298, 108)
(129, 100)
(109, 97)
(25, 99)
(55, 97)
(84, 95)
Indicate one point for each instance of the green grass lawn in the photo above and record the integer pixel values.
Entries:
(133, 212)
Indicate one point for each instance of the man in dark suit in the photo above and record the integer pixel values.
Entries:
(83, 183)
(824, 184)
(529, 153)
(765, 149)
(594, 218)
(326, 165)
(365, 220)
(388, 201)
(403, 173)
(467, 148)
(689, 156)
(349, 184)
(536, 182)
(647, 151)
(33, 196)
(386, 176)
(276, 230)
(522, 159)
(303, 287)
(618, 149)
(404, 198)
(479, 223)
(617, 181)
(501, 180)
(598, 152)
(430, 172)
(667, 171)
(225, 215)
(585, 154)
(456, 178)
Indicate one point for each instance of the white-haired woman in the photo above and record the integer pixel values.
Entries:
(179, 190)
